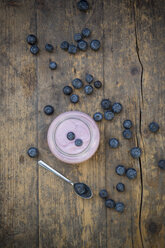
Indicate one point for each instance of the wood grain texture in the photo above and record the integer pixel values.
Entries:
(39, 209)
(18, 180)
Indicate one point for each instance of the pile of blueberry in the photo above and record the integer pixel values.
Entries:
(127, 134)
(32, 40)
(109, 203)
(109, 110)
(120, 187)
(78, 84)
(82, 44)
(71, 136)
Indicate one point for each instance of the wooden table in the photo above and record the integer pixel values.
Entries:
(39, 209)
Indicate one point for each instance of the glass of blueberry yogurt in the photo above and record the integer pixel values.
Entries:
(73, 137)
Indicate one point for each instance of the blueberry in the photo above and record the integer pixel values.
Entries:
(72, 49)
(153, 127)
(117, 107)
(83, 5)
(89, 78)
(108, 115)
(105, 103)
(31, 39)
(32, 152)
(97, 84)
(77, 83)
(74, 98)
(70, 136)
(88, 89)
(120, 187)
(67, 90)
(103, 193)
(82, 45)
(78, 142)
(120, 170)
(95, 45)
(34, 49)
(113, 143)
(119, 207)
(48, 110)
(161, 164)
(52, 65)
(80, 188)
(49, 48)
(135, 152)
(98, 116)
(127, 134)
(86, 32)
(109, 203)
(77, 37)
(64, 45)
(127, 124)
(131, 173)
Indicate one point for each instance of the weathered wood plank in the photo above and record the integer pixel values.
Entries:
(150, 25)
(65, 219)
(122, 74)
(18, 178)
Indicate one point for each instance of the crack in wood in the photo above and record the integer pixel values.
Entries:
(140, 120)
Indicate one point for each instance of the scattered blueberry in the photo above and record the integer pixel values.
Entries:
(31, 39)
(135, 152)
(131, 173)
(86, 32)
(153, 127)
(70, 136)
(77, 37)
(105, 103)
(127, 134)
(32, 152)
(127, 124)
(83, 5)
(77, 83)
(88, 89)
(89, 78)
(161, 164)
(103, 193)
(109, 203)
(120, 170)
(117, 107)
(48, 110)
(95, 45)
(64, 45)
(74, 98)
(98, 116)
(52, 65)
(67, 90)
(34, 49)
(82, 45)
(97, 84)
(72, 49)
(108, 115)
(120, 187)
(119, 207)
(113, 143)
(49, 48)
(78, 142)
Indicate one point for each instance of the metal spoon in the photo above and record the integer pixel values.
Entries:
(81, 189)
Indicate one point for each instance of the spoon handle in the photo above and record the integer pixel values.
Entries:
(47, 167)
